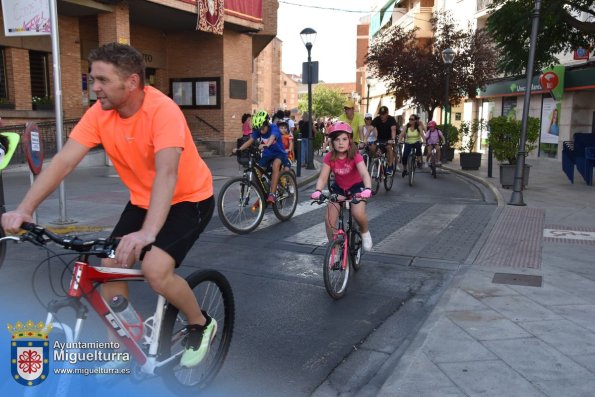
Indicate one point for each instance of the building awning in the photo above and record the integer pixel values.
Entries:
(382, 17)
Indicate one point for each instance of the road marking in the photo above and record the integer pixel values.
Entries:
(569, 234)
(270, 219)
(415, 235)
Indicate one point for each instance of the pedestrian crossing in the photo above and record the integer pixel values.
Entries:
(415, 229)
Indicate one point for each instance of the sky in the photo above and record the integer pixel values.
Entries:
(335, 44)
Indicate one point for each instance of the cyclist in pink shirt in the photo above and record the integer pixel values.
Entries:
(351, 177)
(433, 139)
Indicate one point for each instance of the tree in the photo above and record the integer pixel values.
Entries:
(325, 101)
(413, 69)
(560, 31)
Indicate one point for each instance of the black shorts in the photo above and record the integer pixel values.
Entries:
(185, 222)
(352, 191)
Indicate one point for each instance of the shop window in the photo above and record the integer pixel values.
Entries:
(196, 93)
(40, 74)
(3, 83)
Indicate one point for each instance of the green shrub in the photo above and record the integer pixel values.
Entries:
(452, 132)
(505, 136)
(470, 131)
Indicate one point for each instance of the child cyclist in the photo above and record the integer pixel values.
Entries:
(351, 178)
(271, 144)
(433, 139)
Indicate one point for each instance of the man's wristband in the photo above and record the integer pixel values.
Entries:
(367, 188)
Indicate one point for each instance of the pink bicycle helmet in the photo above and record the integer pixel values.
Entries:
(339, 126)
(431, 123)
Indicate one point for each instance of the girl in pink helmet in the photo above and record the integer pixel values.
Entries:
(351, 178)
(434, 138)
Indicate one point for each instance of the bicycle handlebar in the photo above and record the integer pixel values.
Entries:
(38, 235)
(334, 198)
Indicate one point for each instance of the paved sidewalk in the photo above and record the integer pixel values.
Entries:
(490, 337)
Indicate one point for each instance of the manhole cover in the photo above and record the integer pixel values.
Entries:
(517, 279)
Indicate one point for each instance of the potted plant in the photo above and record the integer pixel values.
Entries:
(504, 139)
(42, 103)
(469, 131)
(6, 104)
(451, 134)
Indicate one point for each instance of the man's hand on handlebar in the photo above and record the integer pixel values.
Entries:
(12, 220)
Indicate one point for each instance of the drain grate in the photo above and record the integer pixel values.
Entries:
(517, 279)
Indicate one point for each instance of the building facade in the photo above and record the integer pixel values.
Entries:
(211, 76)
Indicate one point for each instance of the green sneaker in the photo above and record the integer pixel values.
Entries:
(198, 342)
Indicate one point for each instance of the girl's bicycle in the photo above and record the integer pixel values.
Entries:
(242, 200)
(432, 161)
(158, 350)
(344, 251)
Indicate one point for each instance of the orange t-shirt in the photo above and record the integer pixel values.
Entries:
(131, 145)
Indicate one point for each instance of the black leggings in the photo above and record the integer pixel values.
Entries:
(407, 150)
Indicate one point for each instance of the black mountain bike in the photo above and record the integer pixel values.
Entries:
(242, 200)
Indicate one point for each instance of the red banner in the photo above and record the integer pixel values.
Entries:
(210, 16)
(249, 10)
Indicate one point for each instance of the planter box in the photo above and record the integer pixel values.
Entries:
(470, 161)
(43, 106)
(507, 175)
(448, 153)
(8, 106)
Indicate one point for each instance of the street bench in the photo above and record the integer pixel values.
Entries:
(579, 152)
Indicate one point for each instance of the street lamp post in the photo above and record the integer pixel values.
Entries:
(369, 82)
(517, 194)
(308, 36)
(448, 55)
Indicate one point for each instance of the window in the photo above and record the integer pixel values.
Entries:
(40, 74)
(196, 92)
(3, 84)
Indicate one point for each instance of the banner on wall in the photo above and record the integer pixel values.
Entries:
(249, 10)
(550, 121)
(26, 17)
(210, 16)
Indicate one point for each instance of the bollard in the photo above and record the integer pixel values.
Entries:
(490, 156)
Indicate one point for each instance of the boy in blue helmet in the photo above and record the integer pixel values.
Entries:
(270, 142)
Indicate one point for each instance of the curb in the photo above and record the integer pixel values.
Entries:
(493, 189)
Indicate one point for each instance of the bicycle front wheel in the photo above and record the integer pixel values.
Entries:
(355, 248)
(287, 196)
(336, 277)
(375, 175)
(214, 295)
(411, 167)
(2, 247)
(240, 205)
(389, 179)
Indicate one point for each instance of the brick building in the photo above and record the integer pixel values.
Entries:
(211, 76)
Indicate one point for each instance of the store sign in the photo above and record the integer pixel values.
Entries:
(580, 53)
(549, 81)
(26, 17)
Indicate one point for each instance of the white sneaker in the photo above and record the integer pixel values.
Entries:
(367, 241)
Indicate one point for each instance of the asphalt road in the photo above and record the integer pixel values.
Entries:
(291, 338)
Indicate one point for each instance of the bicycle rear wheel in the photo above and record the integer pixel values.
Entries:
(375, 175)
(335, 277)
(240, 205)
(214, 295)
(287, 196)
(411, 167)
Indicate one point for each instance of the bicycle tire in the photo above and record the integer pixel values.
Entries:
(240, 205)
(335, 277)
(433, 162)
(287, 196)
(411, 168)
(375, 175)
(389, 179)
(355, 248)
(2, 247)
(215, 296)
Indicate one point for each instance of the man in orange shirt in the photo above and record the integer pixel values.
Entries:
(148, 140)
